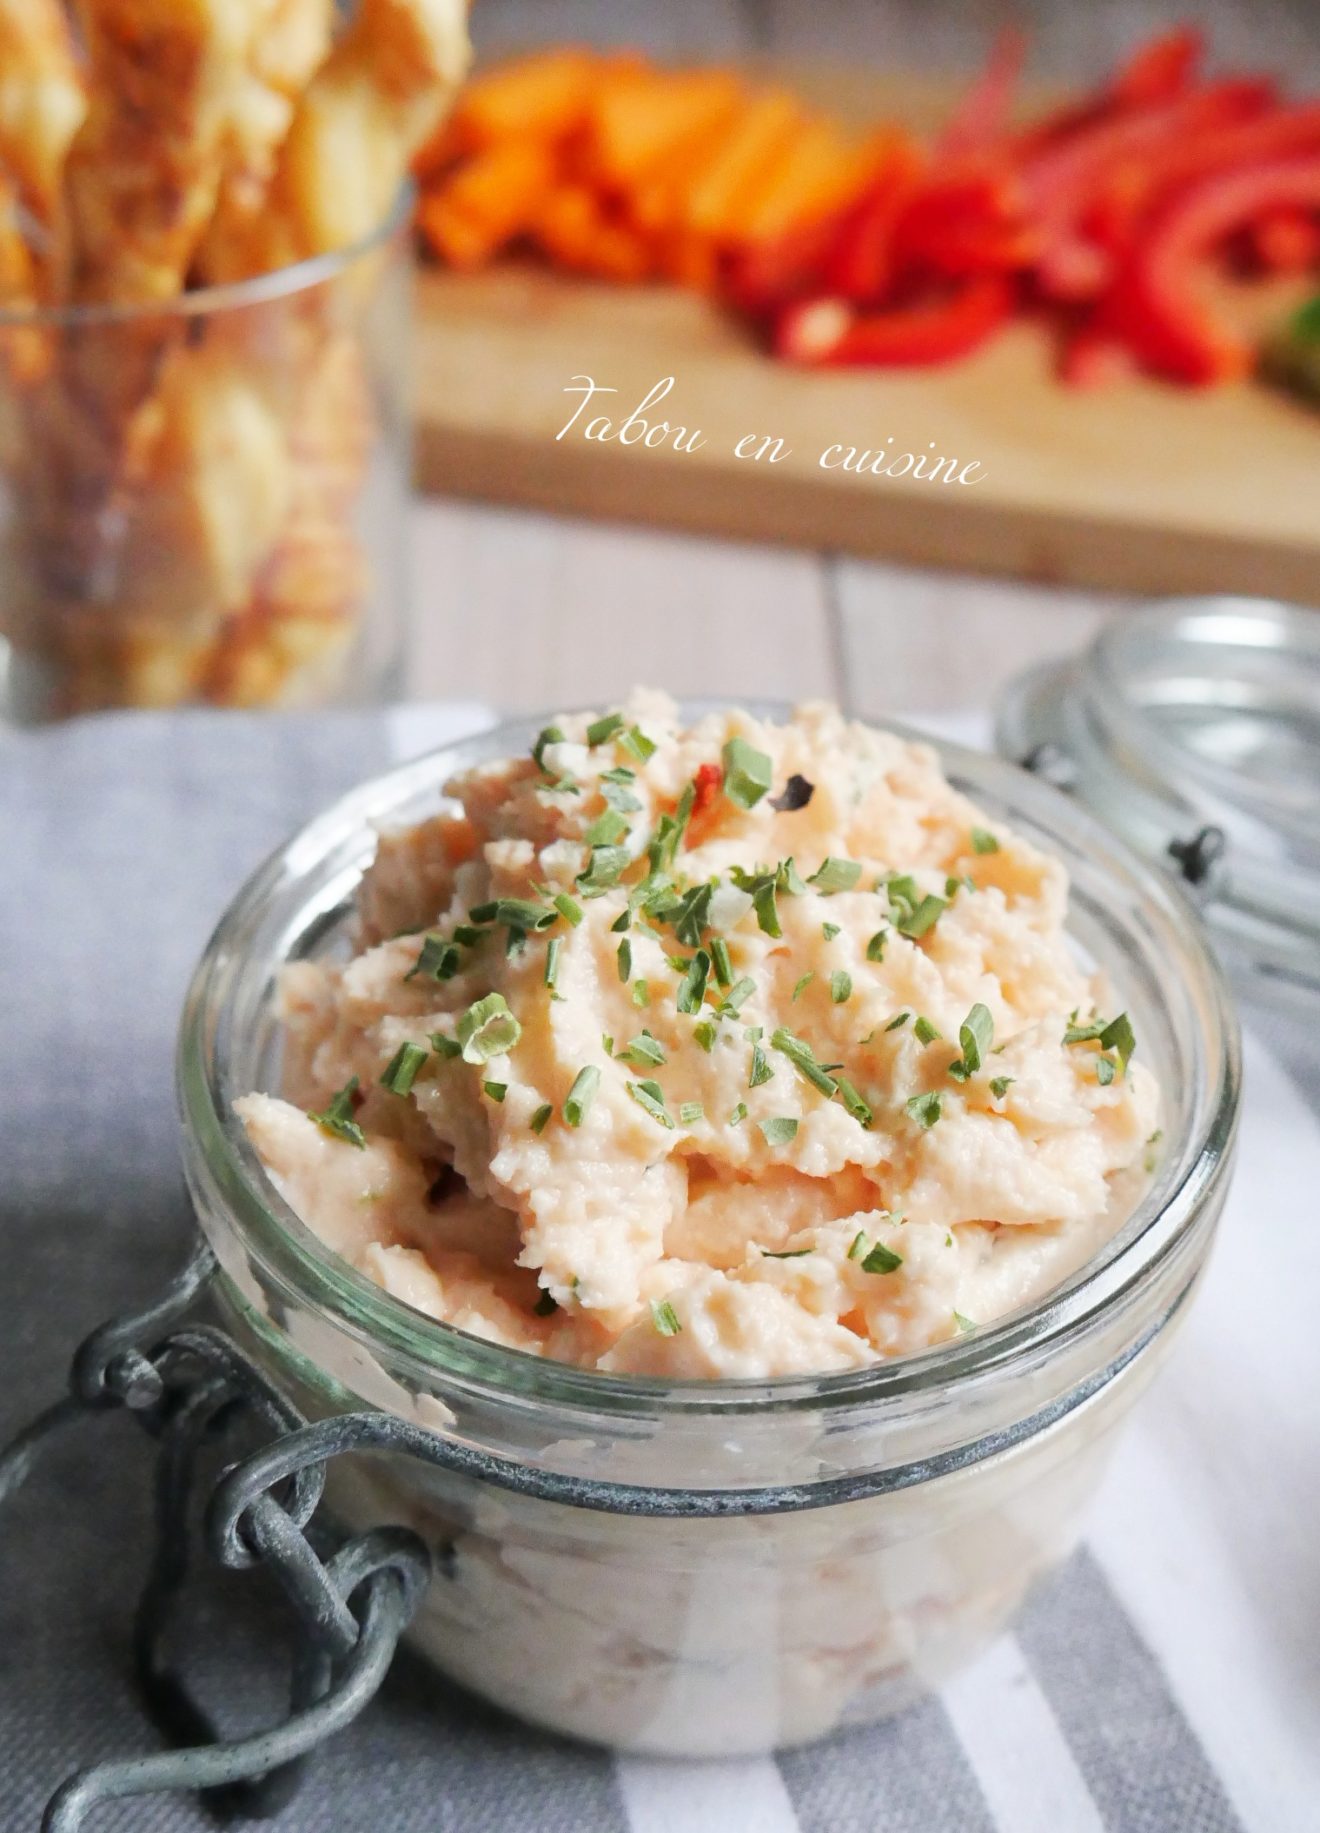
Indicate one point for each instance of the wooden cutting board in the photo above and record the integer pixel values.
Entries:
(1140, 486)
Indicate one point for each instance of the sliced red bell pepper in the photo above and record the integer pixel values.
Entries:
(1155, 304)
(969, 217)
(981, 117)
(1283, 241)
(1159, 70)
(761, 277)
(832, 332)
(861, 263)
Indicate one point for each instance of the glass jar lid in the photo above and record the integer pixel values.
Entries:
(1193, 729)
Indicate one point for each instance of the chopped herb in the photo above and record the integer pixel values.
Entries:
(496, 1090)
(804, 983)
(858, 1240)
(829, 931)
(445, 1046)
(1083, 1034)
(581, 1095)
(665, 1318)
(753, 1033)
(607, 829)
(622, 922)
(875, 948)
(779, 1130)
(797, 792)
(881, 1259)
(789, 879)
(670, 829)
(803, 1058)
(538, 1120)
(964, 1324)
(552, 952)
(926, 1032)
(487, 1029)
(691, 1112)
(1104, 1070)
(1000, 1085)
(763, 903)
(923, 917)
(738, 1115)
(789, 1253)
(983, 841)
(618, 795)
(719, 957)
(898, 1021)
(401, 1071)
(607, 1043)
(853, 1102)
(747, 773)
(692, 987)
(601, 729)
(835, 875)
(439, 960)
(691, 915)
(619, 774)
(737, 996)
(760, 1070)
(545, 1306)
(606, 867)
(840, 986)
(975, 1035)
(625, 960)
(641, 993)
(637, 744)
(644, 1052)
(651, 1097)
(1119, 1037)
(514, 913)
(468, 935)
(337, 1119)
(565, 786)
(924, 1109)
(549, 735)
(705, 1034)
(568, 908)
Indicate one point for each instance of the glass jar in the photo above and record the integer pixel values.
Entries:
(205, 501)
(716, 1568)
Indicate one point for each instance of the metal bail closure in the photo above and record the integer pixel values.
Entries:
(1193, 729)
(189, 1385)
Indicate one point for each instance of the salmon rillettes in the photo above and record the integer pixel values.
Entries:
(725, 1050)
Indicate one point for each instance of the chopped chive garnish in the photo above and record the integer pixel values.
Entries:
(747, 773)
(337, 1117)
(553, 949)
(858, 1240)
(607, 1043)
(926, 1032)
(545, 1306)
(875, 948)
(853, 1102)
(964, 1324)
(804, 983)
(788, 1253)
(719, 958)
(665, 1318)
(538, 1120)
(691, 915)
(983, 841)
(607, 865)
(581, 1095)
(1000, 1085)
(840, 986)
(445, 1046)
(779, 1130)
(1104, 1070)
(835, 875)
(829, 931)
(803, 1058)
(568, 908)
(641, 993)
(705, 1034)
(644, 1052)
(692, 988)
(916, 922)
(619, 774)
(651, 1097)
(760, 1070)
(637, 744)
(1119, 1037)
(549, 735)
(691, 1112)
(737, 996)
(601, 729)
(797, 792)
(882, 1259)
(496, 1090)
(607, 829)
(669, 831)
(898, 1021)
(975, 1036)
(625, 960)
(401, 1071)
(924, 1109)
(439, 960)
(789, 879)
(738, 1115)
(468, 934)
(618, 795)
(487, 1029)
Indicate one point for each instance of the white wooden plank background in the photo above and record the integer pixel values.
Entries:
(526, 610)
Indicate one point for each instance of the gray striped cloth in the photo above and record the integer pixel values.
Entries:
(1169, 1679)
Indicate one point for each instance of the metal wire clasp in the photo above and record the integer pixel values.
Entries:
(190, 1386)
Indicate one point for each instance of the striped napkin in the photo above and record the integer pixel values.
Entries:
(1168, 1679)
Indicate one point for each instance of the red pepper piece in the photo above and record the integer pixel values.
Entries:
(1283, 241)
(981, 117)
(966, 220)
(832, 332)
(861, 264)
(706, 786)
(1158, 70)
(1154, 304)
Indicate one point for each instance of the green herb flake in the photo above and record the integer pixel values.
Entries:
(581, 1095)
(487, 1029)
(605, 728)
(641, 993)
(619, 774)
(829, 931)
(840, 987)
(803, 1058)
(553, 949)
(400, 1072)
(788, 1253)
(607, 1043)
(1000, 1085)
(738, 1115)
(875, 948)
(692, 987)
(625, 960)
(737, 996)
(804, 983)
(1104, 1070)
(882, 1259)
(337, 1118)
(651, 1097)
(964, 1324)
(983, 841)
(568, 908)
(720, 961)
(635, 742)
(1119, 1037)
(607, 829)
(926, 1032)
(760, 1071)
(665, 1318)
(620, 798)
(854, 1103)
(605, 868)
(705, 1034)
(549, 735)
(918, 921)
(644, 1052)
(924, 1109)
(779, 1130)
(446, 1047)
(747, 773)
(439, 960)
(691, 915)
(691, 1113)
(858, 1242)
(496, 1090)
(835, 875)
(541, 1117)
(898, 1021)
(789, 880)
(468, 935)
(975, 1036)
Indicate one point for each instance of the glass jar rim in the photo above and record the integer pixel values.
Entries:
(227, 295)
(311, 1273)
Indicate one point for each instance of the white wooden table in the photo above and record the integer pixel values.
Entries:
(528, 611)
